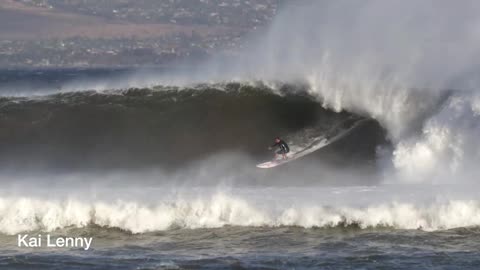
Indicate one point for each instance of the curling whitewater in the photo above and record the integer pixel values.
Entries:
(159, 209)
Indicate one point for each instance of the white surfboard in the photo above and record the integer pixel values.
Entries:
(314, 145)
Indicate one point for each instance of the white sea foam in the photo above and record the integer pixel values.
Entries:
(448, 146)
(417, 208)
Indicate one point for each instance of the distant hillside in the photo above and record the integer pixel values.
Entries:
(238, 13)
(18, 21)
(88, 33)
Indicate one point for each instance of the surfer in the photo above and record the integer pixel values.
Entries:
(283, 148)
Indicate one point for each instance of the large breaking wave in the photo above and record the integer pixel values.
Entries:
(395, 62)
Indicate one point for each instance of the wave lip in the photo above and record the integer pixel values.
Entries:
(221, 209)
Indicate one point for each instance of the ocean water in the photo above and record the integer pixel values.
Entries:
(367, 227)
(157, 167)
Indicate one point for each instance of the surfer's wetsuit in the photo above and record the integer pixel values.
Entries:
(284, 149)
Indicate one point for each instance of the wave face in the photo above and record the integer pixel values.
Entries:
(162, 126)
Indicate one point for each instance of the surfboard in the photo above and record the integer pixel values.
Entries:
(292, 156)
(315, 144)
